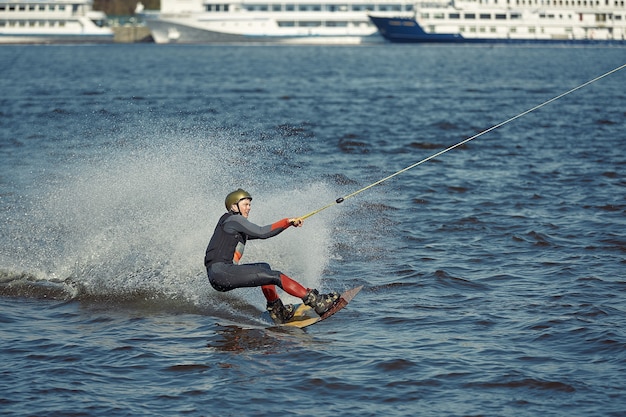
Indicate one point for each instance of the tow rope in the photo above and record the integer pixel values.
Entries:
(342, 199)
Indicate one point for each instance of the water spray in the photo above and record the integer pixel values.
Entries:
(342, 199)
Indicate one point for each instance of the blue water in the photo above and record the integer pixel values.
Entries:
(494, 275)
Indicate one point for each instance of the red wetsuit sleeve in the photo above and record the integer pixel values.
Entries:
(281, 224)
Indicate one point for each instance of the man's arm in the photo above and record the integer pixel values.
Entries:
(241, 224)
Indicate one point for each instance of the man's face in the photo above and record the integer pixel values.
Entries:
(243, 207)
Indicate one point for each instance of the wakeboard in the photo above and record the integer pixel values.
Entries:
(305, 316)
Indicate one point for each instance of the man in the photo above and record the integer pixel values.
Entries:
(226, 247)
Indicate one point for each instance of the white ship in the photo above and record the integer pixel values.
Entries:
(52, 21)
(272, 21)
(508, 21)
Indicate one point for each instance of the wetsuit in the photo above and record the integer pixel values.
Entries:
(226, 248)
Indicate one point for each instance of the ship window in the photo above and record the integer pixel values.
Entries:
(309, 7)
(276, 7)
(500, 16)
(217, 7)
(470, 15)
(389, 7)
(485, 16)
(454, 15)
(2, 8)
(337, 24)
(42, 7)
(290, 7)
(286, 23)
(516, 16)
(310, 24)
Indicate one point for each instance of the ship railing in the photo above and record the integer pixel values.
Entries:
(434, 4)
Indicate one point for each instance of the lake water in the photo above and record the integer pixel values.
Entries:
(494, 275)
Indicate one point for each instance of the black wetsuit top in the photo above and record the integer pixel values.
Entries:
(226, 247)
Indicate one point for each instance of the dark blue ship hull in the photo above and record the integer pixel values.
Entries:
(407, 30)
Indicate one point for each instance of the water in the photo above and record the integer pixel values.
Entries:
(494, 275)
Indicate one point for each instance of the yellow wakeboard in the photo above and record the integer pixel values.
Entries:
(305, 316)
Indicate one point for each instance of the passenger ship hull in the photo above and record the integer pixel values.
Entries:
(52, 22)
(267, 21)
(53, 39)
(473, 22)
(177, 30)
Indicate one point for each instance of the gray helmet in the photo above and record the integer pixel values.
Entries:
(235, 197)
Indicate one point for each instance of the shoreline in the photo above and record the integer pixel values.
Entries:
(132, 34)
